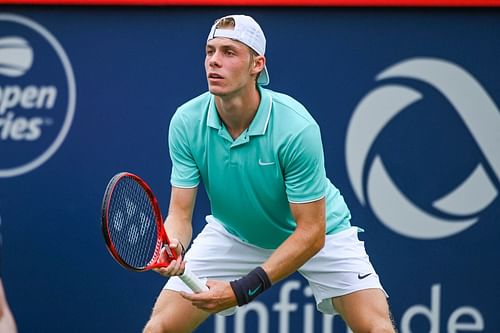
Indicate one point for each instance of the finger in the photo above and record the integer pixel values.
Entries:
(176, 245)
(163, 271)
(173, 268)
(173, 244)
(183, 266)
(196, 297)
(164, 255)
(190, 297)
(211, 283)
(178, 266)
(201, 304)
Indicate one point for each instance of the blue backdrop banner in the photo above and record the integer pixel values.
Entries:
(407, 101)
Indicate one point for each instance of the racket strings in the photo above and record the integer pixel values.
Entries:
(132, 224)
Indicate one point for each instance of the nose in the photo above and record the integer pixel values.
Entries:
(214, 59)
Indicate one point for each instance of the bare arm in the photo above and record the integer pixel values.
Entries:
(178, 225)
(307, 239)
(180, 214)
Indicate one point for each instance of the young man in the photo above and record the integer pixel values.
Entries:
(274, 211)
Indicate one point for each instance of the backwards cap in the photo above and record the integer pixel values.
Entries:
(247, 31)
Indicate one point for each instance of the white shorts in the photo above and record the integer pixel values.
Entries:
(340, 268)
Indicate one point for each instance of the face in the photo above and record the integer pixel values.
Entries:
(230, 67)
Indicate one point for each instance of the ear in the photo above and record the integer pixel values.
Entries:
(258, 64)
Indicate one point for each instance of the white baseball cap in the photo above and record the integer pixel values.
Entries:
(247, 31)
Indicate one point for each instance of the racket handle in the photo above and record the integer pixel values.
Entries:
(193, 282)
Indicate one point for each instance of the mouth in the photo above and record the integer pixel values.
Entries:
(214, 76)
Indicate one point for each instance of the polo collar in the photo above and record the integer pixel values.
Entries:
(258, 126)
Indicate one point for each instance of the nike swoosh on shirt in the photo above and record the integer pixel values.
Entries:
(265, 163)
(361, 277)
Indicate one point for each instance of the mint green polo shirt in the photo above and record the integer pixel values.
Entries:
(251, 180)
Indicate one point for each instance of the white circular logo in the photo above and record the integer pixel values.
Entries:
(37, 95)
(376, 188)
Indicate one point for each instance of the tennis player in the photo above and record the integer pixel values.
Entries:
(273, 210)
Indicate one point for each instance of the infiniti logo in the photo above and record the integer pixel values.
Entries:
(480, 116)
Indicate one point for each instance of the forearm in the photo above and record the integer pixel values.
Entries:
(180, 229)
(294, 252)
(307, 239)
(178, 223)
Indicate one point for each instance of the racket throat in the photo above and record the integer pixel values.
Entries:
(170, 253)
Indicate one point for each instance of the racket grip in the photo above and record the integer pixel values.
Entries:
(193, 282)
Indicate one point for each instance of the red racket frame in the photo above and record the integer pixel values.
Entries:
(162, 235)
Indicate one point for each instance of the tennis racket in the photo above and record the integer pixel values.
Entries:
(133, 229)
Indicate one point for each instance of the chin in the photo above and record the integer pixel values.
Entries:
(217, 91)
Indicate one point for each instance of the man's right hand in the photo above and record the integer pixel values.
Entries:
(175, 267)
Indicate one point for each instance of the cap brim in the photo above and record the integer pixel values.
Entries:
(263, 79)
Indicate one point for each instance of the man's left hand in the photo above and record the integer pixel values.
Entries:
(219, 297)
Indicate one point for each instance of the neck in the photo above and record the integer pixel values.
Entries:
(237, 112)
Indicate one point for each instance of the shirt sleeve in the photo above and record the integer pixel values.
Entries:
(185, 172)
(304, 169)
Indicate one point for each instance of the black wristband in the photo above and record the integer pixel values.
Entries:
(183, 250)
(250, 286)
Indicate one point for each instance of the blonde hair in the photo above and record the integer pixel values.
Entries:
(225, 23)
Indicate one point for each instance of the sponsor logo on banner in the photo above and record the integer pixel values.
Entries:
(37, 95)
(294, 310)
(373, 185)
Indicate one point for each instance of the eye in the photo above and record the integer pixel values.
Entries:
(209, 52)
